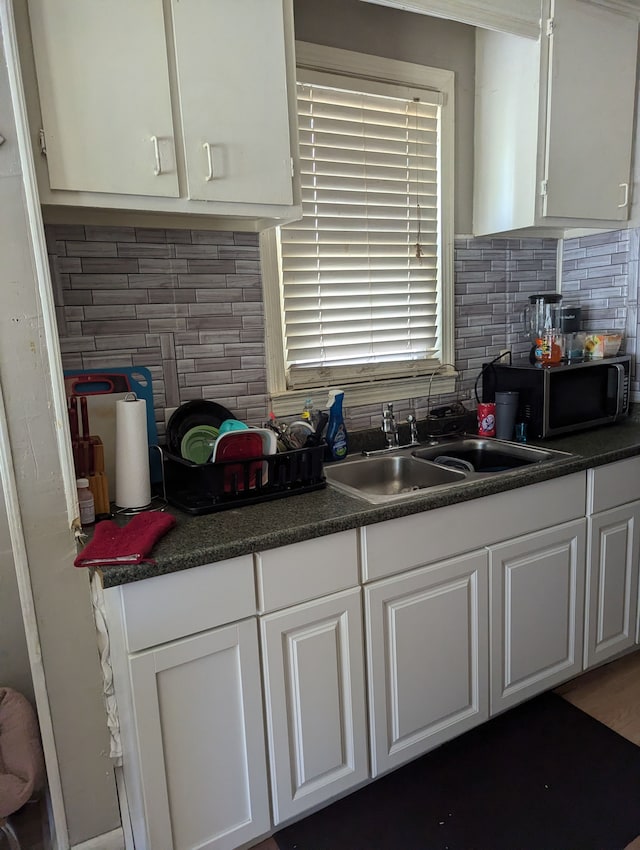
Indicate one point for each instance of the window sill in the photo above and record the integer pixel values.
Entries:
(291, 402)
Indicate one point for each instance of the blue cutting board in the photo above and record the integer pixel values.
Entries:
(102, 388)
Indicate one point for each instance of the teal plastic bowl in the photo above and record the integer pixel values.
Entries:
(232, 425)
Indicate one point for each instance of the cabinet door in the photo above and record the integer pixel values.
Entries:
(427, 656)
(230, 59)
(199, 728)
(104, 94)
(537, 612)
(612, 582)
(315, 700)
(590, 111)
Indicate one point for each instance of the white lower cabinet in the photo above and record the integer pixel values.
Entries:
(315, 701)
(427, 657)
(197, 709)
(451, 614)
(537, 612)
(611, 607)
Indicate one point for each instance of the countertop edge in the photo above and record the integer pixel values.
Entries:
(229, 534)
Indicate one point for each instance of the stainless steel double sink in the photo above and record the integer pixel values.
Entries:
(403, 473)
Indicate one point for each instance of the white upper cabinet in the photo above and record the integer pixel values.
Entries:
(104, 94)
(589, 126)
(554, 122)
(234, 116)
(184, 107)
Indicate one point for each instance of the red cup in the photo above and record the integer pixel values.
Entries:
(486, 419)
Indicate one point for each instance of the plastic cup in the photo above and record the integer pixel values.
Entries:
(521, 432)
(506, 409)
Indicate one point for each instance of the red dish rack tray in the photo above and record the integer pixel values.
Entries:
(202, 488)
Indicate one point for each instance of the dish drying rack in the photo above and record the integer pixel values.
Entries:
(203, 488)
(447, 419)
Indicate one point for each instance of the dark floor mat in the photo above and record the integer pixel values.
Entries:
(543, 776)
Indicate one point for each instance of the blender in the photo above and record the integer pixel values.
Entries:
(542, 320)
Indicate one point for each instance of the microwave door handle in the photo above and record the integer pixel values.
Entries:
(620, 392)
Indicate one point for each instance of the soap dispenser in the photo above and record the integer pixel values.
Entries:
(337, 439)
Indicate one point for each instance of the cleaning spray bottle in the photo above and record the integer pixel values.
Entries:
(337, 439)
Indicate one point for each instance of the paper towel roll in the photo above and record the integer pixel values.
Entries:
(133, 486)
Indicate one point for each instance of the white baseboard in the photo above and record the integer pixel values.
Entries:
(108, 841)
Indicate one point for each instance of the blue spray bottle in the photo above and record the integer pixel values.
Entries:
(337, 439)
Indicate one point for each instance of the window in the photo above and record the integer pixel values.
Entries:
(363, 280)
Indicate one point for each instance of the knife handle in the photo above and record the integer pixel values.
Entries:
(73, 419)
(85, 416)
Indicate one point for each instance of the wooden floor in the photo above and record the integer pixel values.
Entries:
(611, 694)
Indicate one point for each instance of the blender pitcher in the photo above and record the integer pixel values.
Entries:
(542, 320)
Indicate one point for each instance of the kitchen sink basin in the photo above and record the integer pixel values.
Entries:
(486, 456)
(402, 473)
(389, 477)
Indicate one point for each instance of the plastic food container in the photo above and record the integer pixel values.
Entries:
(574, 346)
(603, 344)
(240, 445)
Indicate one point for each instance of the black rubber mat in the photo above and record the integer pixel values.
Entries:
(543, 776)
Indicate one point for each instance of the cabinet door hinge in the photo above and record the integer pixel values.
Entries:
(544, 186)
(293, 170)
(43, 143)
(550, 26)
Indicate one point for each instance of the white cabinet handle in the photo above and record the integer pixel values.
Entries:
(207, 148)
(156, 152)
(624, 186)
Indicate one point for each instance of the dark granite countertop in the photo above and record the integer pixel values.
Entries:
(227, 534)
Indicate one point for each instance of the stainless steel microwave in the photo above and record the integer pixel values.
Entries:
(556, 400)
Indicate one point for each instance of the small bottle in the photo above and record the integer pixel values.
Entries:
(307, 413)
(337, 439)
(85, 500)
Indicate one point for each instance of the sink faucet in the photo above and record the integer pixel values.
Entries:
(413, 429)
(389, 427)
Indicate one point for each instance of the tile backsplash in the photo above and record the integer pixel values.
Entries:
(600, 272)
(188, 305)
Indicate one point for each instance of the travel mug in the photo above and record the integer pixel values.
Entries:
(506, 409)
(486, 419)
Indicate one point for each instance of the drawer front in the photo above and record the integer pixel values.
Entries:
(401, 544)
(306, 570)
(172, 606)
(613, 485)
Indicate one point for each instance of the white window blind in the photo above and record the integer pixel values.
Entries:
(361, 272)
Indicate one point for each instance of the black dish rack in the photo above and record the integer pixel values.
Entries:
(202, 488)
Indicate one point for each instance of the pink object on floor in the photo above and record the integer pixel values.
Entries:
(21, 759)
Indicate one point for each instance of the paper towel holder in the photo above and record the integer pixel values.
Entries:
(157, 503)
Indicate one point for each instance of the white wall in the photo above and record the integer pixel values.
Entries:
(60, 592)
(15, 671)
(409, 37)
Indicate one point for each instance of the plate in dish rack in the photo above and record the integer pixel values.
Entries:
(190, 415)
(197, 444)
